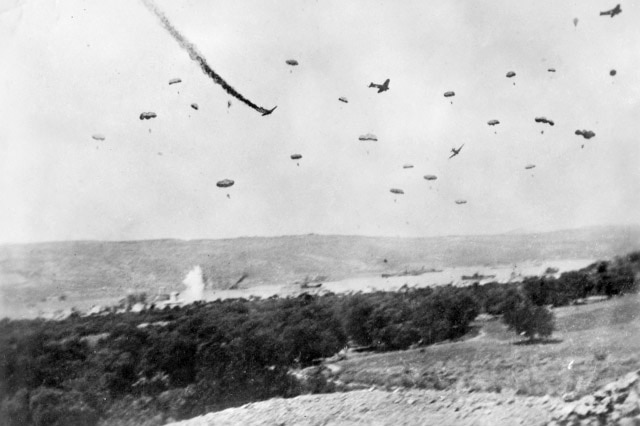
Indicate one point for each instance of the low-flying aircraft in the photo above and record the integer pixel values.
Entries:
(381, 87)
(613, 12)
(456, 151)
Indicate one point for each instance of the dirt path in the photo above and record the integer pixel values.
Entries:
(377, 407)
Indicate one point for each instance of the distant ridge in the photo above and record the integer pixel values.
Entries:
(107, 269)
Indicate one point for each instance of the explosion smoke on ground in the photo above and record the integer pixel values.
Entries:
(195, 285)
(197, 56)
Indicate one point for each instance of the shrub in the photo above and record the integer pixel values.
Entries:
(54, 407)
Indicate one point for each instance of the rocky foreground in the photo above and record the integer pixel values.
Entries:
(617, 403)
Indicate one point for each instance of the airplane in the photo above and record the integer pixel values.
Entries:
(268, 111)
(613, 12)
(381, 87)
(456, 151)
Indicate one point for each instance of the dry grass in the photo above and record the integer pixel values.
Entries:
(592, 345)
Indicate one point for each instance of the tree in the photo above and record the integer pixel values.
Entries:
(527, 319)
(356, 316)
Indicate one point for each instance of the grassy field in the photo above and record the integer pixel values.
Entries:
(592, 345)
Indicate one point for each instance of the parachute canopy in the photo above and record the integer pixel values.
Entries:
(511, 74)
(493, 122)
(408, 166)
(98, 137)
(575, 22)
(612, 73)
(449, 94)
(587, 134)
(343, 99)
(147, 115)
(291, 62)
(529, 166)
(194, 106)
(544, 120)
(551, 70)
(175, 80)
(368, 137)
(225, 183)
(296, 156)
(430, 177)
(461, 201)
(396, 191)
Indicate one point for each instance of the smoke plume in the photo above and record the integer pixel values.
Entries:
(197, 56)
(195, 285)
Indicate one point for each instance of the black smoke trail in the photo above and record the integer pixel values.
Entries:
(197, 56)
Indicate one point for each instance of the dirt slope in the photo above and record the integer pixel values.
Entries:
(377, 407)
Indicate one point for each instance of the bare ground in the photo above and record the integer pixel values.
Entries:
(378, 407)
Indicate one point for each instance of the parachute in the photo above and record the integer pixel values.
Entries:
(511, 74)
(147, 115)
(291, 62)
(430, 177)
(408, 166)
(575, 22)
(493, 122)
(175, 80)
(449, 94)
(98, 137)
(587, 134)
(544, 120)
(529, 166)
(612, 73)
(225, 183)
(343, 99)
(194, 106)
(396, 191)
(461, 201)
(551, 70)
(368, 137)
(296, 156)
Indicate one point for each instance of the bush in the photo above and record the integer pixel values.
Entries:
(54, 407)
(15, 410)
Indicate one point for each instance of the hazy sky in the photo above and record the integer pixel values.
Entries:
(73, 68)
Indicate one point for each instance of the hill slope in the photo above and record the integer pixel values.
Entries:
(98, 269)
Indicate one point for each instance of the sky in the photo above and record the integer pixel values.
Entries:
(74, 68)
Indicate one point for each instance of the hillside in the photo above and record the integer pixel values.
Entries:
(98, 270)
